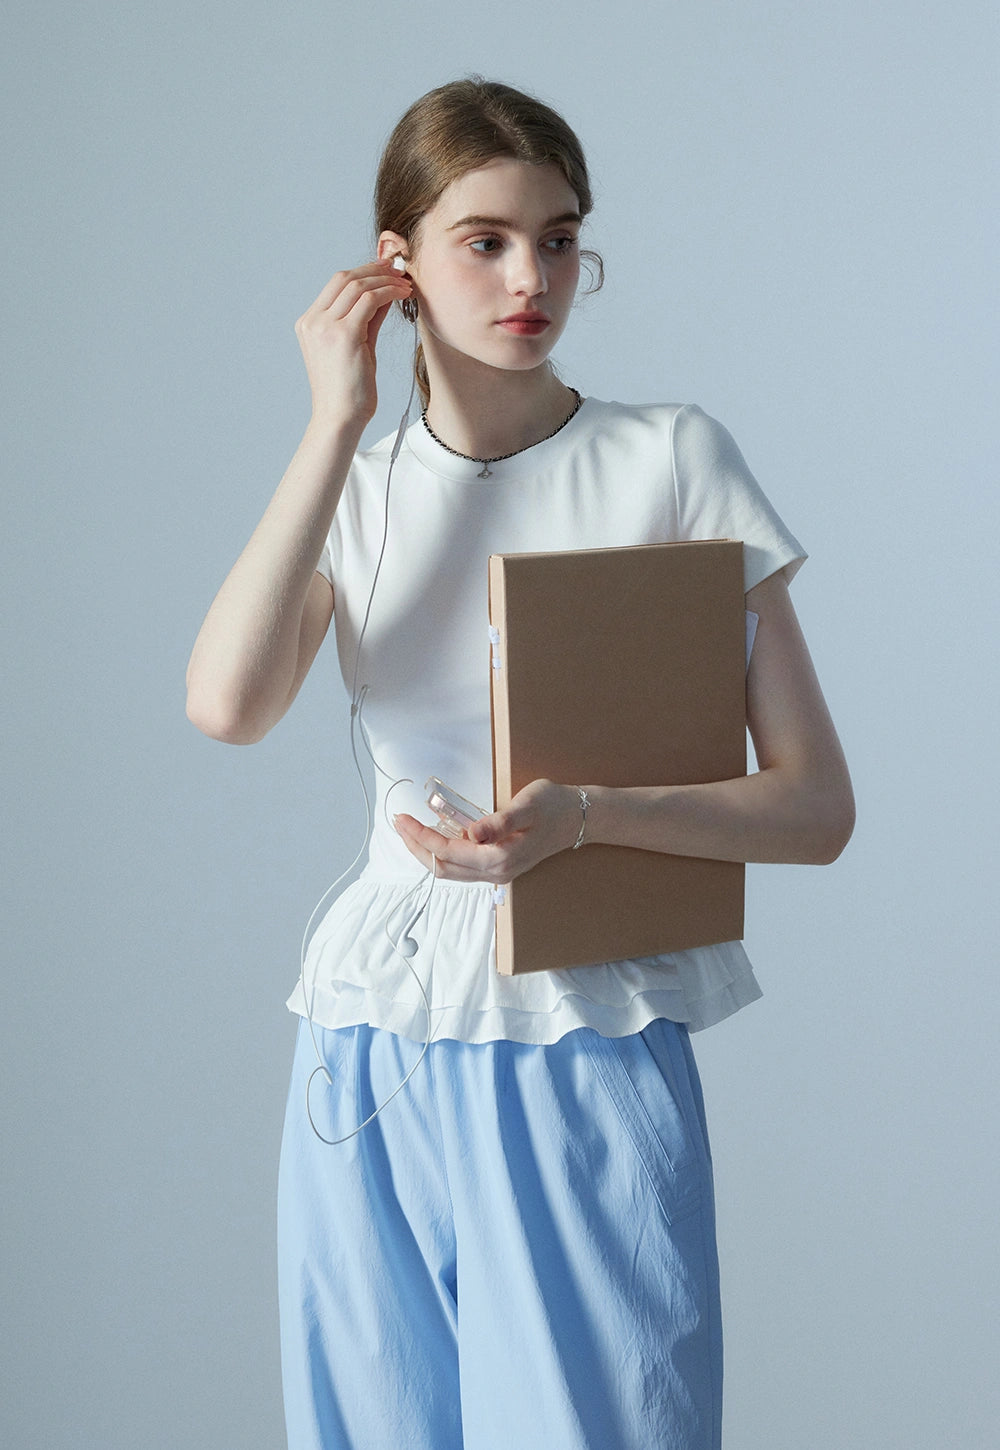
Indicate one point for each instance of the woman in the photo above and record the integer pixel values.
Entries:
(519, 1248)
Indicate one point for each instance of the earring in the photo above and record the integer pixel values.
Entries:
(410, 309)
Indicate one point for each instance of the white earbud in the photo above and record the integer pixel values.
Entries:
(399, 262)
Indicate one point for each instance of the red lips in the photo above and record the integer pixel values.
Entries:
(525, 324)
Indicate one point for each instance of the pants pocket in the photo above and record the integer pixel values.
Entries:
(654, 1098)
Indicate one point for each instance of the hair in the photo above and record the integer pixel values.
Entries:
(456, 129)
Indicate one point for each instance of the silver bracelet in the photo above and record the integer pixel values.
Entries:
(584, 803)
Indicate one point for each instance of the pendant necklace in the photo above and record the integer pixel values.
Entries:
(485, 472)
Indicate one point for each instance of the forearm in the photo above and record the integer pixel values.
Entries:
(771, 815)
(798, 807)
(245, 665)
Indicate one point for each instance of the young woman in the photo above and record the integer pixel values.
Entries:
(519, 1248)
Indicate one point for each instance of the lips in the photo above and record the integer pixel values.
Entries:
(525, 324)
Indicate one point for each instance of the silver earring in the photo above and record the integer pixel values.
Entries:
(410, 309)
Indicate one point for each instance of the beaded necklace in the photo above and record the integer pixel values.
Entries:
(501, 457)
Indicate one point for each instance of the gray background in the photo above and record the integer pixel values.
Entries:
(793, 204)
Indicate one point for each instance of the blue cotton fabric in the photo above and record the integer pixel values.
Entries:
(519, 1250)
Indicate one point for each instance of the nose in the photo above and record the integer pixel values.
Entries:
(526, 275)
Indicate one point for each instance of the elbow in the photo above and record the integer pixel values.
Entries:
(834, 825)
(224, 721)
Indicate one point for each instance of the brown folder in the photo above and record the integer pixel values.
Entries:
(618, 667)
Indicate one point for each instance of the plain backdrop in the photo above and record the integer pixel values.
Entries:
(795, 206)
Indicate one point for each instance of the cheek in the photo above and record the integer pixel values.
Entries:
(448, 308)
(568, 280)
(447, 292)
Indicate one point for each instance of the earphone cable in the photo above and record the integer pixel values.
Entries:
(357, 726)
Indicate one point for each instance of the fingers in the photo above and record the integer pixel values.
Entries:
(424, 841)
(416, 833)
(375, 325)
(377, 280)
(537, 806)
(463, 859)
(541, 820)
(339, 280)
(521, 814)
(458, 859)
(337, 336)
(353, 305)
(490, 828)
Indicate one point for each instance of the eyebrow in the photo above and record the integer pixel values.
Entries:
(499, 221)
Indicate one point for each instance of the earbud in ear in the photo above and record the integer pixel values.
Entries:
(409, 305)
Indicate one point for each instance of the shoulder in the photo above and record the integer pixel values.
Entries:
(699, 438)
(639, 434)
(683, 426)
(705, 454)
(367, 474)
(697, 446)
(375, 455)
(633, 418)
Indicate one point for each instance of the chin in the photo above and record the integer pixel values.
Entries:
(525, 352)
(507, 354)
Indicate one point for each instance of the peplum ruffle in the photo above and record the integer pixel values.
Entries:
(354, 974)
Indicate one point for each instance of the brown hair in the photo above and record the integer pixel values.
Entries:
(455, 129)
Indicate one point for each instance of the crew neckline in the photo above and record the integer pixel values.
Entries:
(442, 461)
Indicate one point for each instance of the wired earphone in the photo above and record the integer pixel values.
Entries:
(404, 943)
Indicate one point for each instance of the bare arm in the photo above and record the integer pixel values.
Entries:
(798, 807)
(269, 618)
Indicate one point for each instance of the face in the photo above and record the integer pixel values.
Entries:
(496, 265)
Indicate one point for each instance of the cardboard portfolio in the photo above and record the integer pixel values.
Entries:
(619, 667)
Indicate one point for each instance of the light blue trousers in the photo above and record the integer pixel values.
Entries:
(519, 1251)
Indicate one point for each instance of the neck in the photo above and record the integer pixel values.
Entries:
(484, 412)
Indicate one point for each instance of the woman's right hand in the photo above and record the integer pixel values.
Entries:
(337, 335)
(266, 622)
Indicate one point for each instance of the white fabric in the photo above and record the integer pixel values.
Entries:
(617, 474)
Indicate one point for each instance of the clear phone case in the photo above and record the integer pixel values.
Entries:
(453, 811)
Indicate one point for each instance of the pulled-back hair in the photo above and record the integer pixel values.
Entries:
(456, 129)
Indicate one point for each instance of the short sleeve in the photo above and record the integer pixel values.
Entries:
(325, 564)
(719, 498)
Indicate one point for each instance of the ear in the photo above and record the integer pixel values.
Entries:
(391, 244)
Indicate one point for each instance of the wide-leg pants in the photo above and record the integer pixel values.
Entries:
(518, 1251)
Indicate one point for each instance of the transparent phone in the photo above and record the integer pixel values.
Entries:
(454, 812)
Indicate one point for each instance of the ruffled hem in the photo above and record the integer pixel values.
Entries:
(354, 974)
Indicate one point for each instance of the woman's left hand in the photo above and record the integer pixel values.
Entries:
(542, 819)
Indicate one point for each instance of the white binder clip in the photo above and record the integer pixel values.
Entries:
(495, 647)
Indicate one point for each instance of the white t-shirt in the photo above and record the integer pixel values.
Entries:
(616, 474)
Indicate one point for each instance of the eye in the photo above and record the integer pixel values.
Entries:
(561, 244)
(486, 246)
